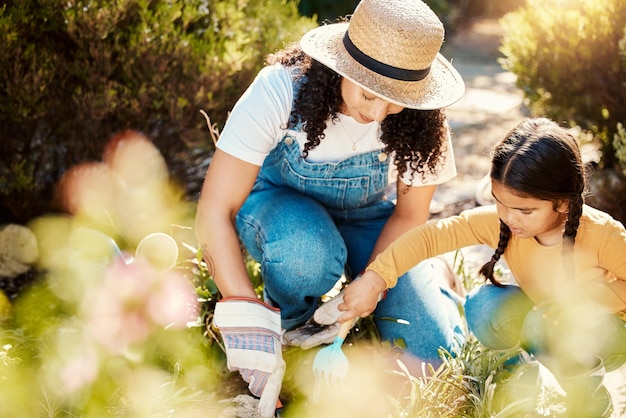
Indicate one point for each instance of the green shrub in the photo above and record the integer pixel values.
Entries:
(570, 62)
(449, 11)
(76, 72)
(619, 140)
(566, 56)
(326, 10)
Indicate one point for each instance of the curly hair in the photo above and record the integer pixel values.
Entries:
(417, 137)
(539, 159)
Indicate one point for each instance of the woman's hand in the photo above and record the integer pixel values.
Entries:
(361, 296)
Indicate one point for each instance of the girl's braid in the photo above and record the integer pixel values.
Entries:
(575, 211)
(487, 269)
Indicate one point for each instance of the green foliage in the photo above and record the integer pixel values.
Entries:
(75, 72)
(326, 10)
(449, 11)
(619, 142)
(54, 360)
(567, 59)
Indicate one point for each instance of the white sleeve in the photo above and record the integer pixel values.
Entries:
(258, 120)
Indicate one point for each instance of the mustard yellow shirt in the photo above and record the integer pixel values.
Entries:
(599, 255)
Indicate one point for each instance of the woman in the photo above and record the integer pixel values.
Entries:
(304, 175)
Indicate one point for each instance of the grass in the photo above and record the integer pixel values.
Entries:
(52, 363)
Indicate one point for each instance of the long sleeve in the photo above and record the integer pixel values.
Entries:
(475, 226)
(603, 242)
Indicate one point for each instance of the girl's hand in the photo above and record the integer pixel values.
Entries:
(361, 296)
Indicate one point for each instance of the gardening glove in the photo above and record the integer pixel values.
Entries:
(328, 312)
(251, 333)
(321, 328)
(311, 335)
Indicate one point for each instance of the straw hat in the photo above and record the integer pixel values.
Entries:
(391, 49)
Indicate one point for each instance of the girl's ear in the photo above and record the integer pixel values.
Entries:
(563, 206)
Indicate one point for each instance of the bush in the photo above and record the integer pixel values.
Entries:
(326, 10)
(567, 60)
(449, 11)
(76, 72)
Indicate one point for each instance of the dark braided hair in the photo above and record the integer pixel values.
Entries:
(417, 137)
(539, 159)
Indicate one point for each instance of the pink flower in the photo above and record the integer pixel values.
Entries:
(116, 307)
(134, 300)
(79, 371)
(173, 303)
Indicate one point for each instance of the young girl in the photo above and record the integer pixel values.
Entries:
(569, 261)
(305, 175)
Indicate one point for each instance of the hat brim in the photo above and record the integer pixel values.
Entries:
(442, 87)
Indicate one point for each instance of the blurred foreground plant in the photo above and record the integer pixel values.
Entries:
(111, 327)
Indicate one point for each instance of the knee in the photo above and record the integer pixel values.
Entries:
(481, 305)
(302, 266)
(534, 334)
(495, 315)
(421, 315)
(306, 254)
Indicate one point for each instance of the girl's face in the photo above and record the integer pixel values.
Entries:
(528, 217)
(363, 106)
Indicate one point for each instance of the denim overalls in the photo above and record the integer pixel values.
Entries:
(306, 223)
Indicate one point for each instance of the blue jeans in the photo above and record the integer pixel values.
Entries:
(308, 223)
(503, 318)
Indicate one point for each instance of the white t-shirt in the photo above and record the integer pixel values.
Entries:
(258, 120)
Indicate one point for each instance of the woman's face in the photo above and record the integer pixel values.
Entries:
(363, 106)
(528, 217)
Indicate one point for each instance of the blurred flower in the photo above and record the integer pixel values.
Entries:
(129, 191)
(88, 190)
(174, 302)
(80, 371)
(133, 300)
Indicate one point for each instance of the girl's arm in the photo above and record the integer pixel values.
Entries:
(228, 183)
(479, 225)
